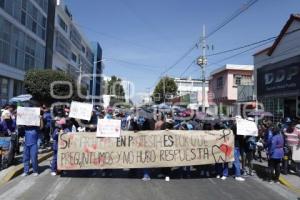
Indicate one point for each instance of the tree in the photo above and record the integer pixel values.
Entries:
(165, 88)
(114, 87)
(38, 84)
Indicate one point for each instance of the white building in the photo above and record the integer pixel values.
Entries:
(72, 52)
(193, 88)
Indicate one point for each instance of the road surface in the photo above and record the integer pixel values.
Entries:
(70, 187)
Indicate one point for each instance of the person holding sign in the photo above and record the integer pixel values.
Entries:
(31, 148)
(61, 127)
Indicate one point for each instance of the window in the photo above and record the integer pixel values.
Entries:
(75, 37)
(2, 3)
(237, 80)
(62, 24)
(33, 27)
(62, 45)
(220, 82)
(74, 57)
(83, 49)
(23, 18)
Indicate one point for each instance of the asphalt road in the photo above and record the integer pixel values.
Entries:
(81, 186)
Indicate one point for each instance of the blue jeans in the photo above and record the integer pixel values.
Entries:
(146, 173)
(236, 164)
(30, 153)
(54, 161)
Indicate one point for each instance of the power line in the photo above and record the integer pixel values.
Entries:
(189, 66)
(233, 16)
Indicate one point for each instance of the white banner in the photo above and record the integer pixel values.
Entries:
(246, 127)
(108, 128)
(80, 110)
(28, 116)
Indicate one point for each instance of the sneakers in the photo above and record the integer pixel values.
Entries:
(239, 178)
(223, 178)
(218, 176)
(35, 174)
(24, 174)
(146, 178)
(53, 173)
(167, 178)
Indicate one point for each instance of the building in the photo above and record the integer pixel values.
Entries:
(128, 90)
(190, 91)
(40, 34)
(72, 52)
(223, 86)
(277, 72)
(96, 82)
(22, 42)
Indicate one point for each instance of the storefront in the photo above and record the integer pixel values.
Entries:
(278, 88)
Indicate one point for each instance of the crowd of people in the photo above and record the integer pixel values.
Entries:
(276, 141)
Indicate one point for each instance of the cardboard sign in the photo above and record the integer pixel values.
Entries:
(144, 149)
(80, 110)
(108, 128)
(246, 127)
(28, 116)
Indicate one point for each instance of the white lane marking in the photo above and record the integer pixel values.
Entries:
(211, 180)
(58, 188)
(17, 190)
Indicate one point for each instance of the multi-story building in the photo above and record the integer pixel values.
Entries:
(193, 89)
(39, 34)
(72, 52)
(277, 72)
(96, 82)
(22, 42)
(223, 86)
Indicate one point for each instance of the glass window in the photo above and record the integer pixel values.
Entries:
(74, 57)
(2, 3)
(34, 27)
(23, 18)
(24, 4)
(220, 82)
(8, 6)
(237, 80)
(62, 24)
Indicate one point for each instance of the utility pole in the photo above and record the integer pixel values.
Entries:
(164, 78)
(202, 62)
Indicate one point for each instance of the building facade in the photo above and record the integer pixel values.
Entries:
(41, 34)
(72, 52)
(223, 86)
(192, 90)
(96, 82)
(22, 42)
(277, 72)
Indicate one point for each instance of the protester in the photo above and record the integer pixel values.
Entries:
(60, 127)
(31, 148)
(276, 154)
(237, 144)
(47, 126)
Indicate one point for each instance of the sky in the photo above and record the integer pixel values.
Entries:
(142, 38)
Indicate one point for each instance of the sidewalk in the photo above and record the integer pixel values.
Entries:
(291, 181)
(17, 168)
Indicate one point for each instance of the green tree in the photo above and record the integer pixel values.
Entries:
(114, 87)
(38, 83)
(165, 88)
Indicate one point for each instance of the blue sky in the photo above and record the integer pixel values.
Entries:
(155, 33)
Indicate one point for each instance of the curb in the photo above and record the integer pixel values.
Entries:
(18, 169)
(290, 186)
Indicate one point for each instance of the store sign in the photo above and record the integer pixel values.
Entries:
(278, 78)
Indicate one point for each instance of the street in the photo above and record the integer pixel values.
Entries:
(70, 187)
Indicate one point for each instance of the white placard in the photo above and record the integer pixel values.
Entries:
(246, 127)
(296, 153)
(108, 128)
(28, 116)
(80, 110)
